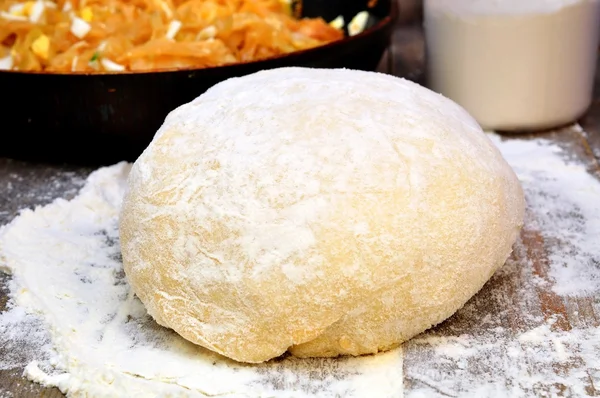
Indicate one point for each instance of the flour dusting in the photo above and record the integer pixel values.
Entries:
(67, 272)
(473, 355)
(565, 201)
(539, 362)
(23, 336)
(73, 322)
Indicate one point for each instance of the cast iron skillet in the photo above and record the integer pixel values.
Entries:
(101, 119)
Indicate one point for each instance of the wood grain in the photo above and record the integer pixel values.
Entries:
(503, 297)
(513, 302)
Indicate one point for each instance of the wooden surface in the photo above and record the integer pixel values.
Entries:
(27, 185)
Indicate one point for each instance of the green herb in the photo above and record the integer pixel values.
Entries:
(95, 56)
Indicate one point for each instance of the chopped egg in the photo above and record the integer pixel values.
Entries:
(67, 6)
(33, 10)
(41, 46)
(27, 7)
(17, 9)
(37, 10)
(358, 23)
(80, 28)
(337, 23)
(111, 66)
(12, 17)
(87, 14)
(6, 63)
(207, 33)
(174, 27)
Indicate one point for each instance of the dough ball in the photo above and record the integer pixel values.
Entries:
(324, 212)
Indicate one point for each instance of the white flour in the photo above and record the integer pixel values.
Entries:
(67, 275)
(565, 200)
(515, 366)
(479, 357)
(65, 260)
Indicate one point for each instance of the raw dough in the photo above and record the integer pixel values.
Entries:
(326, 212)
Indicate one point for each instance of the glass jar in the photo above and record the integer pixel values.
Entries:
(514, 65)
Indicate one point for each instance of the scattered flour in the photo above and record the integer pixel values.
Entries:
(74, 323)
(23, 336)
(539, 362)
(565, 201)
(473, 355)
(67, 273)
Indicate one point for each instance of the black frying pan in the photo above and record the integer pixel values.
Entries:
(99, 119)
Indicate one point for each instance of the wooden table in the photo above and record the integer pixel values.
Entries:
(26, 185)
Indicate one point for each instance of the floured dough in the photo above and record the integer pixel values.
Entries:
(326, 212)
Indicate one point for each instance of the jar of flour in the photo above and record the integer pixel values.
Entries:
(515, 65)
